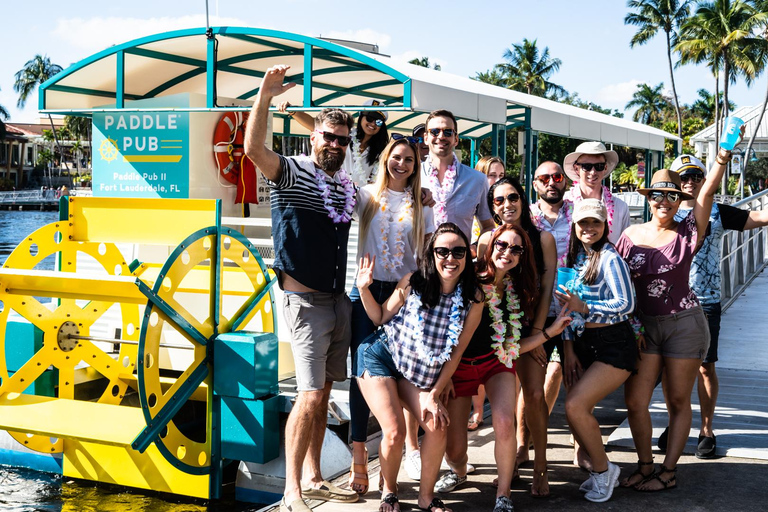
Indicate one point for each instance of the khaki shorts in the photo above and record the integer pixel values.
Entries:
(320, 325)
(683, 335)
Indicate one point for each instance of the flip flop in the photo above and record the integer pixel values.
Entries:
(474, 425)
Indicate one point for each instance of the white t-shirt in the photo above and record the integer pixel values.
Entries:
(370, 245)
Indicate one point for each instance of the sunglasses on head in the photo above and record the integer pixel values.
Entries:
(658, 197)
(458, 253)
(447, 132)
(374, 118)
(588, 167)
(330, 138)
(694, 177)
(512, 197)
(503, 246)
(544, 178)
(412, 140)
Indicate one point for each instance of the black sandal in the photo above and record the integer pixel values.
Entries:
(657, 476)
(391, 500)
(639, 472)
(435, 503)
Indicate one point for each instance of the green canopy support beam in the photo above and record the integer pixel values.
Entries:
(648, 174)
(120, 80)
(502, 143)
(307, 76)
(495, 140)
(528, 155)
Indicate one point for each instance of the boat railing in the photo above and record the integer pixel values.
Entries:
(28, 196)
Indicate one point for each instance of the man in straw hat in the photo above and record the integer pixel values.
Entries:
(705, 282)
(586, 167)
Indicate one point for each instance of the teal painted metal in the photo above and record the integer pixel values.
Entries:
(120, 80)
(23, 341)
(210, 73)
(168, 57)
(250, 429)
(403, 119)
(407, 93)
(91, 92)
(495, 140)
(527, 160)
(503, 143)
(257, 56)
(648, 175)
(473, 156)
(173, 82)
(360, 89)
(245, 365)
(307, 82)
(182, 323)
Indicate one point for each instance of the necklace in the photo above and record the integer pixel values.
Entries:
(537, 216)
(441, 192)
(576, 197)
(359, 175)
(349, 196)
(394, 261)
(507, 348)
(455, 326)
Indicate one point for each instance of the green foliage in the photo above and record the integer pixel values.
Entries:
(527, 69)
(650, 103)
(424, 63)
(34, 73)
(7, 184)
(704, 106)
(44, 157)
(574, 100)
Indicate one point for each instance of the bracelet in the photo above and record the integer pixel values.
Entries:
(585, 312)
(546, 336)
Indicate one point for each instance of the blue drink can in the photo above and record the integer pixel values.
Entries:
(730, 135)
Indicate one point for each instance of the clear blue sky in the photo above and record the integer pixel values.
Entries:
(464, 37)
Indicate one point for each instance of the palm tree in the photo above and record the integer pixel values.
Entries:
(650, 103)
(34, 73)
(492, 76)
(722, 35)
(649, 17)
(4, 113)
(760, 6)
(704, 107)
(528, 70)
(424, 63)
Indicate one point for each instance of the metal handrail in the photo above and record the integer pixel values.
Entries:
(28, 196)
(744, 253)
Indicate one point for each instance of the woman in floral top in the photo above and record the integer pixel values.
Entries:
(659, 255)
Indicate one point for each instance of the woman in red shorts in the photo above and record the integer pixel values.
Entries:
(506, 273)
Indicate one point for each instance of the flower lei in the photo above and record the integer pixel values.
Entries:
(441, 192)
(537, 216)
(349, 196)
(507, 348)
(396, 261)
(455, 326)
(359, 176)
(607, 200)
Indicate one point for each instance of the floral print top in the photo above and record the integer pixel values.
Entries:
(660, 274)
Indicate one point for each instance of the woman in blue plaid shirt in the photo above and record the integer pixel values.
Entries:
(604, 352)
(427, 323)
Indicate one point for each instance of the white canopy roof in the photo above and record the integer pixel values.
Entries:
(183, 62)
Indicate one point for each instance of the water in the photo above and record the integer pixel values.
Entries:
(23, 490)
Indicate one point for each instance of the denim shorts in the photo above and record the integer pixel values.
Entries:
(614, 345)
(713, 312)
(374, 358)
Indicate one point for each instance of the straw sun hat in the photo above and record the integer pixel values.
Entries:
(665, 180)
(590, 148)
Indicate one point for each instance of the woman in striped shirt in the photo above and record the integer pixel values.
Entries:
(604, 353)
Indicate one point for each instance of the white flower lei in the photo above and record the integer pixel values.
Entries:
(455, 326)
(507, 348)
(396, 261)
(537, 216)
(576, 196)
(441, 192)
(359, 176)
(349, 196)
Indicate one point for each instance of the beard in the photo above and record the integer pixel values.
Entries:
(554, 199)
(330, 159)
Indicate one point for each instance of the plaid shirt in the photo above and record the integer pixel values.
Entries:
(402, 332)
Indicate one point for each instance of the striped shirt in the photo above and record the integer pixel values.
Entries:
(308, 245)
(612, 298)
(408, 351)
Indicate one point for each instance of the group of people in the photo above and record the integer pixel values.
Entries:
(428, 328)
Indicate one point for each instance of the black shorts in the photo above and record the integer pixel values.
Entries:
(614, 345)
(713, 312)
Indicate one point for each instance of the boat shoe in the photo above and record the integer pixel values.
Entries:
(329, 492)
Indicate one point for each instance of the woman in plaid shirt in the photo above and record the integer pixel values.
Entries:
(427, 323)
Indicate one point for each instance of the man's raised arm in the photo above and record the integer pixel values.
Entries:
(256, 132)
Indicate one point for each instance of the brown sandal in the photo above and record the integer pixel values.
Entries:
(358, 475)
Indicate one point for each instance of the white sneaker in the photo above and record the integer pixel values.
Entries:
(589, 484)
(445, 467)
(603, 484)
(449, 481)
(413, 465)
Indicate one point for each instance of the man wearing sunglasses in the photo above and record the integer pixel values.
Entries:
(312, 202)
(705, 282)
(586, 167)
(458, 190)
(420, 132)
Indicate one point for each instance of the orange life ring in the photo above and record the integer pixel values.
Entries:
(229, 153)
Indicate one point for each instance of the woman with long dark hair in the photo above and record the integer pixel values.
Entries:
(508, 279)
(604, 352)
(509, 204)
(427, 323)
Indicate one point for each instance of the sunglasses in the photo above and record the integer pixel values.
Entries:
(512, 198)
(544, 178)
(330, 138)
(503, 246)
(412, 140)
(447, 132)
(588, 167)
(374, 118)
(695, 177)
(658, 197)
(458, 253)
